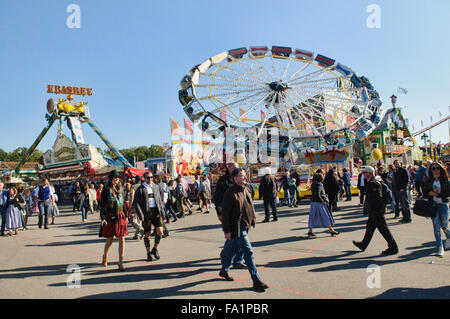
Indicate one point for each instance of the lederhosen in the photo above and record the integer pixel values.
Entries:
(152, 216)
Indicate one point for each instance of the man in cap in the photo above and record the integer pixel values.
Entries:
(375, 207)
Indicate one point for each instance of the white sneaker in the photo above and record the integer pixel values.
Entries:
(440, 251)
(447, 244)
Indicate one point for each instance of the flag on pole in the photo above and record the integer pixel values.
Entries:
(402, 90)
(174, 127)
(242, 112)
(188, 127)
(263, 116)
(223, 115)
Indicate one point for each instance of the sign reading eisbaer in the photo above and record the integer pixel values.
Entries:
(69, 90)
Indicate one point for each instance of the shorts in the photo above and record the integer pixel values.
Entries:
(152, 219)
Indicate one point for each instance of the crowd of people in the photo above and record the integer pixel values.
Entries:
(150, 202)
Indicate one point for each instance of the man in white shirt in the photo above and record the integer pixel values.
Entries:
(150, 211)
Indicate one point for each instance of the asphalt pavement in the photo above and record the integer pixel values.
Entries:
(64, 261)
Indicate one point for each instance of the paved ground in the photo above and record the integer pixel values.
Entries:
(34, 263)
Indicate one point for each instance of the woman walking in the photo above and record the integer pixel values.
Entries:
(437, 189)
(13, 219)
(84, 203)
(319, 213)
(114, 221)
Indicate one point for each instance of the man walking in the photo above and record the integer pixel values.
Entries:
(224, 183)
(285, 181)
(400, 184)
(268, 191)
(347, 184)
(420, 178)
(375, 207)
(149, 207)
(238, 215)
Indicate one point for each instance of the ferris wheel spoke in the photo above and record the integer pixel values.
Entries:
(286, 69)
(306, 76)
(263, 78)
(318, 109)
(271, 77)
(306, 120)
(250, 109)
(230, 79)
(236, 72)
(241, 101)
(299, 70)
(318, 81)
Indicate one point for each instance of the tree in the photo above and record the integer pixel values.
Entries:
(3, 155)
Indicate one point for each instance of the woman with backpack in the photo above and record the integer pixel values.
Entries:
(437, 189)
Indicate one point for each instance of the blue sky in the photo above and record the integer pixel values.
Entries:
(134, 53)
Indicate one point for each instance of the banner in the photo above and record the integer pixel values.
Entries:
(74, 125)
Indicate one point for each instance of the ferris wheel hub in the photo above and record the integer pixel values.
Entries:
(278, 86)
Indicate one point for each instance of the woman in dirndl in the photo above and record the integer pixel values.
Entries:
(319, 212)
(13, 216)
(114, 221)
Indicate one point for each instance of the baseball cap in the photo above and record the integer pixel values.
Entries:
(368, 169)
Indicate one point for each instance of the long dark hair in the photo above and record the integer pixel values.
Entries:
(318, 178)
(443, 172)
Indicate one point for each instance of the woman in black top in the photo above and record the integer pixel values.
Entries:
(319, 213)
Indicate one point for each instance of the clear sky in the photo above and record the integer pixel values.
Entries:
(134, 53)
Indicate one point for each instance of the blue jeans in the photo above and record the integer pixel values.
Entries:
(287, 196)
(348, 192)
(231, 248)
(401, 198)
(84, 212)
(441, 221)
(44, 209)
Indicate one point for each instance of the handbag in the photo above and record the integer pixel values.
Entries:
(425, 208)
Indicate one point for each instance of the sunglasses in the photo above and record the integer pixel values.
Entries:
(149, 177)
(435, 168)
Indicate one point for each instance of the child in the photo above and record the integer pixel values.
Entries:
(293, 190)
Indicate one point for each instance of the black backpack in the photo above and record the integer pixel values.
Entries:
(386, 193)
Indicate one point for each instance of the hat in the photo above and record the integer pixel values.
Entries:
(368, 169)
(113, 174)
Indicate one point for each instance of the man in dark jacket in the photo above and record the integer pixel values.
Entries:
(268, 191)
(375, 207)
(400, 185)
(149, 208)
(238, 215)
(224, 183)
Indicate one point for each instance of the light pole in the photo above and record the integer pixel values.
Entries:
(424, 137)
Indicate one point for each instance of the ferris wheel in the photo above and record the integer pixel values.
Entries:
(315, 101)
